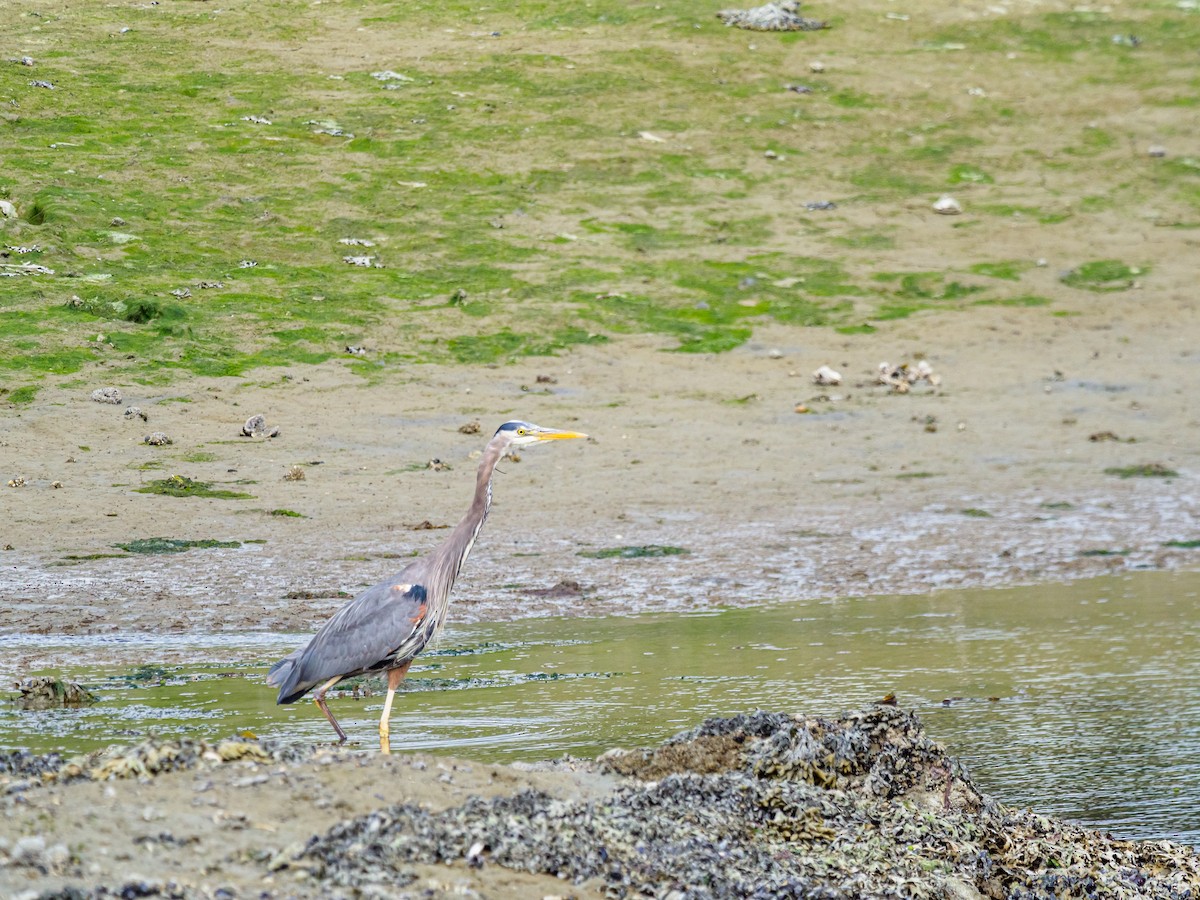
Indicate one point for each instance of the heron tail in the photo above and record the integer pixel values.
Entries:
(284, 675)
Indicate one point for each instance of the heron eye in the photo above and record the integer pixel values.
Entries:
(520, 431)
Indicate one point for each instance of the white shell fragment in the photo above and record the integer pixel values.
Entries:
(902, 377)
(947, 206)
(826, 375)
(157, 439)
(389, 75)
(257, 425)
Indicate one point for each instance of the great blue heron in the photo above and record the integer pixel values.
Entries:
(388, 624)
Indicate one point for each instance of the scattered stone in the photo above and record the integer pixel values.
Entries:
(181, 293)
(107, 395)
(1158, 151)
(17, 482)
(437, 465)
(388, 75)
(902, 377)
(294, 473)
(355, 350)
(117, 222)
(257, 425)
(820, 205)
(7, 210)
(13, 270)
(247, 264)
(947, 206)
(356, 242)
(365, 262)
(783, 16)
(157, 439)
(39, 83)
(257, 120)
(469, 428)
(565, 589)
(49, 693)
(827, 375)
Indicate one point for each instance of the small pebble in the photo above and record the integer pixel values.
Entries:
(947, 206)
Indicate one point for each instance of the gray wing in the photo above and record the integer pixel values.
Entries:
(381, 627)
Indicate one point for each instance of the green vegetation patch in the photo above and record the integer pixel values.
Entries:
(1009, 270)
(1147, 470)
(634, 552)
(1103, 276)
(23, 395)
(182, 486)
(173, 545)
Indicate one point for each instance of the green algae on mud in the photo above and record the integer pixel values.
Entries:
(633, 552)
(174, 545)
(1146, 470)
(220, 219)
(183, 486)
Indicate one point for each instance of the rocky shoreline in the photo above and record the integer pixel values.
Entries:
(763, 805)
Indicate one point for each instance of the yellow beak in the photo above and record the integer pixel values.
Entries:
(559, 435)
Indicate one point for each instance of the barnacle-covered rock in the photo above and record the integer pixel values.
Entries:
(44, 692)
(783, 16)
(763, 805)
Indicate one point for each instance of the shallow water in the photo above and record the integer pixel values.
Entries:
(1077, 700)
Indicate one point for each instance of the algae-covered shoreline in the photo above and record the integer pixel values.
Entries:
(762, 805)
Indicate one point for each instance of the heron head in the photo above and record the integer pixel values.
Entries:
(519, 434)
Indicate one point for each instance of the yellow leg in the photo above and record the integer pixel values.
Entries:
(394, 677)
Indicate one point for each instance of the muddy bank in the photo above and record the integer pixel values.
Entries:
(761, 805)
(1051, 448)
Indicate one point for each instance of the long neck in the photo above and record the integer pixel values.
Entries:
(458, 545)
